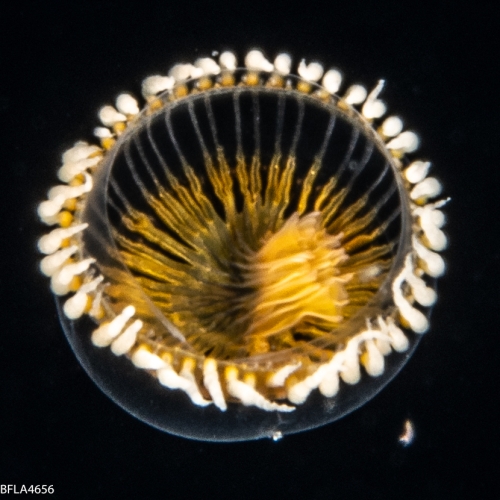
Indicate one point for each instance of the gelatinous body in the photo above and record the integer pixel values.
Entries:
(250, 255)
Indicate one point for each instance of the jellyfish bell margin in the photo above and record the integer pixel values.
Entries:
(251, 254)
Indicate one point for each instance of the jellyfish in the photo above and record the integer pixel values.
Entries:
(249, 251)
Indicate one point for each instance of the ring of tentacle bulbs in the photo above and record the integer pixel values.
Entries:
(205, 379)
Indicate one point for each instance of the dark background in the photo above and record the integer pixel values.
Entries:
(61, 62)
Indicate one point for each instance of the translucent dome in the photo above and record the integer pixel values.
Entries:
(251, 255)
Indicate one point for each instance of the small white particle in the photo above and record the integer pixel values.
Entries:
(408, 434)
(277, 436)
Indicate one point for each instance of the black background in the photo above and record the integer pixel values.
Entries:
(61, 62)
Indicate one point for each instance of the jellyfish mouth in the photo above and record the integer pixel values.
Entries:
(297, 286)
